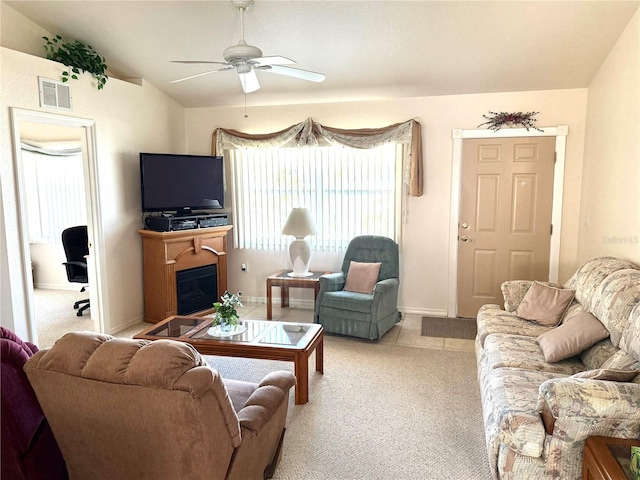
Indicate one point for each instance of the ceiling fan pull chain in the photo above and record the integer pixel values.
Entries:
(245, 106)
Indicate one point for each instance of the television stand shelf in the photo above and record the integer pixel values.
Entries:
(160, 223)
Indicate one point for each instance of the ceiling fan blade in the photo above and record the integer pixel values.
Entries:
(249, 81)
(197, 61)
(274, 60)
(296, 72)
(201, 74)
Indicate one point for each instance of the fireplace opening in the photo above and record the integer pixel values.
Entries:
(197, 289)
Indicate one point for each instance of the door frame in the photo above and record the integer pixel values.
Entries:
(96, 258)
(458, 135)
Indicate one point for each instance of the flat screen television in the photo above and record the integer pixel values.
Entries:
(181, 183)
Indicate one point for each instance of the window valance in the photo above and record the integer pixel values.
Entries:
(310, 133)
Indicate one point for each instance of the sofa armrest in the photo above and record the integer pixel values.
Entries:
(386, 285)
(576, 408)
(265, 400)
(331, 282)
(513, 291)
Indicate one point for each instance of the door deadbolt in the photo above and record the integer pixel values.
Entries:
(464, 225)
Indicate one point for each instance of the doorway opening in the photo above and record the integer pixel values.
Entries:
(47, 268)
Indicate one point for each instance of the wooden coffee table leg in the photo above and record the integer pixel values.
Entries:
(284, 296)
(301, 371)
(320, 355)
(269, 310)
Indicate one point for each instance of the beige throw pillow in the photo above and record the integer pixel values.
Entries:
(544, 304)
(572, 337)
(611, 374)
(362, 277)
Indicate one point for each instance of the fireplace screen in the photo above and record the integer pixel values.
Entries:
(197, 289)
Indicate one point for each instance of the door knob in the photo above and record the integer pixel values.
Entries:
(464, 238)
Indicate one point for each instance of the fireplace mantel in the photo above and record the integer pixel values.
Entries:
(165, 253)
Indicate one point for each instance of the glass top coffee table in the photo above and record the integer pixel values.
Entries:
(267, 340)
(608, 458)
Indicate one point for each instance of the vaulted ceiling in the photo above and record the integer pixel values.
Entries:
(366, 49)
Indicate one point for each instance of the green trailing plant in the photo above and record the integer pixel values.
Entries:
(78, 57)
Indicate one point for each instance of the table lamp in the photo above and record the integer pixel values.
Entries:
(299, 224)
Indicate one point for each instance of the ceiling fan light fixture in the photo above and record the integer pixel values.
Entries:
(243, 67)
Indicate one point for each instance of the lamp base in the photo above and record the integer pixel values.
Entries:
(300, 255)
(294, 274)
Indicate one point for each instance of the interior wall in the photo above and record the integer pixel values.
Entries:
(129, 118)
(20, 33)
(425, 246)
(6, 304)
(610, 212)
(48, 271)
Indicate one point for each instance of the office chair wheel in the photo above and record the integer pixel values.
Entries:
(84, 307)
(81, 311)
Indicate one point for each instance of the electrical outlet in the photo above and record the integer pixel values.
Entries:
(243, 267)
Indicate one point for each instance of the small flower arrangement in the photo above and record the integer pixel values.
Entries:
(226, 314)
(498, 120)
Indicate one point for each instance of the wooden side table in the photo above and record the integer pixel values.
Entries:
(607, 458)
(285, 282)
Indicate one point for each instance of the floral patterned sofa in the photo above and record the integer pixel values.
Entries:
(538, 413)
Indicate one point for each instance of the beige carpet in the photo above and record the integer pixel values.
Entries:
(380, 412)
(55, 314)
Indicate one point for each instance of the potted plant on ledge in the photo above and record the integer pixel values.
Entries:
(78, 57)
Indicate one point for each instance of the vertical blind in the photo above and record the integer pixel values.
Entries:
(55, 194)
(348, 191)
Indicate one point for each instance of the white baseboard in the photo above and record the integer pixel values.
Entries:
(129, 324)
(425, 312)
(55, 286)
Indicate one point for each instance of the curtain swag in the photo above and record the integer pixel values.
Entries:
(309, 133)
(55, 149)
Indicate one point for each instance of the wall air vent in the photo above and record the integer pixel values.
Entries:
(54, 94)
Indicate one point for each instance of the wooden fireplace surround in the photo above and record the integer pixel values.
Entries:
(165, 253)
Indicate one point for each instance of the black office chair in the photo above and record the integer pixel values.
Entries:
(76, 246)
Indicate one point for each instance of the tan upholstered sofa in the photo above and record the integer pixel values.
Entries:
(134, 409)
(537, 415)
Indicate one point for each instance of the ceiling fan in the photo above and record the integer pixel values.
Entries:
(246, 59)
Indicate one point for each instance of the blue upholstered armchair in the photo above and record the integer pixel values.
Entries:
(354, 313)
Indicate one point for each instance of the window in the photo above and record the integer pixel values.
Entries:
(55, 194)
(349, 192)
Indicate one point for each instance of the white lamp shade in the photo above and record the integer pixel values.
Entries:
(300, 223)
